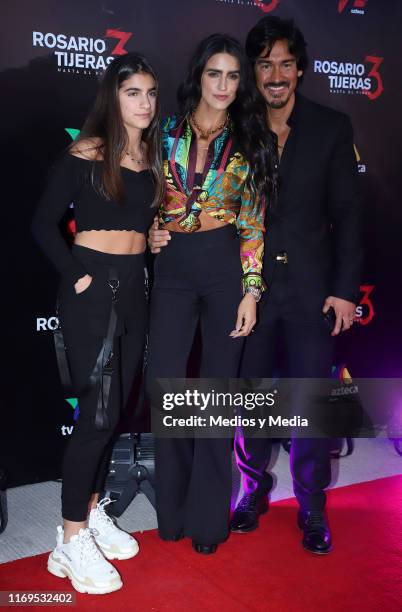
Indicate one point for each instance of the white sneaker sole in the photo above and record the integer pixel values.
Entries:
(119, 555)
(59, 569)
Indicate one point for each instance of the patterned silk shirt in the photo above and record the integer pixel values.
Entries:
(222, 191)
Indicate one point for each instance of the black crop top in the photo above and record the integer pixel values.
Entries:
(70, 182)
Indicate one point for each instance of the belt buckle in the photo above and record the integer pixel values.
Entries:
(282, 257)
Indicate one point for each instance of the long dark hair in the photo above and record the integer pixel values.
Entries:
(247, 112)
(105, 122)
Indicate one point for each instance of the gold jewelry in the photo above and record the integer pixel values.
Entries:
(205, 134)
(131, 156)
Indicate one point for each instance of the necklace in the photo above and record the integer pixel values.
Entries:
(133, 159)
(205, 134)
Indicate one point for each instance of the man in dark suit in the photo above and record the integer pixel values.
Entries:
(311, 264)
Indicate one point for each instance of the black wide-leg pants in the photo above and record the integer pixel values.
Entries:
(84, 319)
(308, 348)
(197, 281)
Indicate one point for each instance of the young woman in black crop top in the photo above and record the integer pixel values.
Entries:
(112, 176)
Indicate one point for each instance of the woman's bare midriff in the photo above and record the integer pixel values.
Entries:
(207, 223)
(114, 242)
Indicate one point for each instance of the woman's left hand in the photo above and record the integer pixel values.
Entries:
(246, 317)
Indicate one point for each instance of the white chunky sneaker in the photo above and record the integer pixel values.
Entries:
(113, 542)
(82, 561)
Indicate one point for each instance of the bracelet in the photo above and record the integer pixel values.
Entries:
(253, 280)
(255, 292)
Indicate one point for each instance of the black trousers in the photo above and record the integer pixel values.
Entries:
(84, 319)
(197, 281)
(308, 347)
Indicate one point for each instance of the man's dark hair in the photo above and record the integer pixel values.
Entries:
(271, 29)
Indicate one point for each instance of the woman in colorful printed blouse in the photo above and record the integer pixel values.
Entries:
(219, 167)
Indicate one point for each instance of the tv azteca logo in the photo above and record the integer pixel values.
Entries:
(82, 53)
(341, 373)
(353, 78)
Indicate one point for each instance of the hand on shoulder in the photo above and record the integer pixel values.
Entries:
(87, 148)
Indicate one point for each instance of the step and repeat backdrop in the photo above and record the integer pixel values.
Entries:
(53, 55)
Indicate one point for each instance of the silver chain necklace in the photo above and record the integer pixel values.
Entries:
(133, 159)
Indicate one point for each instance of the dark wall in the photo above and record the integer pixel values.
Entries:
(48, 90)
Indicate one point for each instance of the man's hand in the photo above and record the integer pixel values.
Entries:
(157, 238)
(246, 317)
(344, 311)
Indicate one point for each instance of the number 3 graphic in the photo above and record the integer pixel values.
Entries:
(267, 8)
(376, 61)
(366, 290)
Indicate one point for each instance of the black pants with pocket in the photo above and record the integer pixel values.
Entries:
(308, 348)
(84, 320)
(197, 281)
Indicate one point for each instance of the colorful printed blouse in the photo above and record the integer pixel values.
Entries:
(221, 191)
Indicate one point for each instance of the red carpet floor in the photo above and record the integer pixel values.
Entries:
(266, 570)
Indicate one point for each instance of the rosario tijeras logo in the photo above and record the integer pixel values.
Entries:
(357, 4)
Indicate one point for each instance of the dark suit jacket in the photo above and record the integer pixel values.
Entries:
(317, 219)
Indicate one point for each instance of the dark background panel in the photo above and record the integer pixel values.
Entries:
(39, 101)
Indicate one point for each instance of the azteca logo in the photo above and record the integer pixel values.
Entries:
(362, 168)
(341, 374)
(365, 310)
(266, 6)
(67, 430)
(356, 6)
(353, 78)
(82, 54)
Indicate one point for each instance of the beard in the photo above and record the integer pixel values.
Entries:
(278, 103)
(281, 100)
